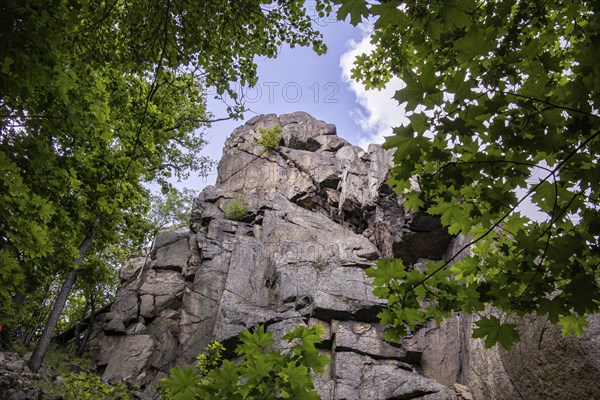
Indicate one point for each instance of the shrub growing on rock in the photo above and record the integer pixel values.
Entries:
(236, 208)
(269, 138)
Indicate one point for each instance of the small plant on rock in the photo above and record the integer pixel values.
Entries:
(236, 208)
(269, 138)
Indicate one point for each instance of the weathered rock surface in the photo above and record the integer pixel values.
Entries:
(544, 365)
(18, 383)
(319, 213)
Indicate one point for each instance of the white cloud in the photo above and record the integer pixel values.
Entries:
(377, 111)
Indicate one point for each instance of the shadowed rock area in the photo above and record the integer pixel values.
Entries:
(319, 213)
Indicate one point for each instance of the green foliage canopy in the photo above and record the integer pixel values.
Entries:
(503, 99)
(171, 209)
(99, 97)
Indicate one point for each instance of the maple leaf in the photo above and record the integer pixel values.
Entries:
(493, 331)
(573, 324)
(357, 9)
(388, 13)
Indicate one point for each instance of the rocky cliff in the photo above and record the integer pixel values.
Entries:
(319, 213)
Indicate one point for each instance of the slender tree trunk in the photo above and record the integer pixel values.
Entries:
(35, 362)
(149, 252)
(39, 318)
(30, 335)
(77, 334)
(88, 331)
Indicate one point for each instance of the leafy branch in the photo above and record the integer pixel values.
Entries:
(503, 95)
(552, 105)
(499, 221)
(260, 373)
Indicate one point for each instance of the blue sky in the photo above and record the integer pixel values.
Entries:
(300, 80)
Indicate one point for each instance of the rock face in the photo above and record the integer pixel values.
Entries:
(319, 213)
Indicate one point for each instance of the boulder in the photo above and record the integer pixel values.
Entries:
(129, 357)
(544, 365)
(360, 377)
(318, 214)
(171, 250)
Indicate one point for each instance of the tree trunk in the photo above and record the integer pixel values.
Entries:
(39, 318)
(35, 362)
(79, 324)
(69, 334)
(88, 331)
(30, 335)
(148, 254)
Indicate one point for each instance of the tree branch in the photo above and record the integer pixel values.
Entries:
(497, 223)
(202, 121)
(547, 103)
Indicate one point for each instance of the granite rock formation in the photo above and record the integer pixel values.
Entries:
(319, 213)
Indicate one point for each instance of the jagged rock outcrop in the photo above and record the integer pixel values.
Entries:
(319, 213)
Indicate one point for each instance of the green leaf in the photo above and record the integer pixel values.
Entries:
(183, 382)
(388, 14)
(253, 343)
(386, 271)
(404, 142)
(299, 385)
(469, 298)
(452, 216)
(545, 196)
(225, 377)
(412, 93)
(583, 293)
(474, 45)
(357, 9)
(413, 201)
(6, 63)
(555, 309)
(257, 367)
(495, 332)
(573, 324)
(411, 317)
(419, 122)
(393, 334)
